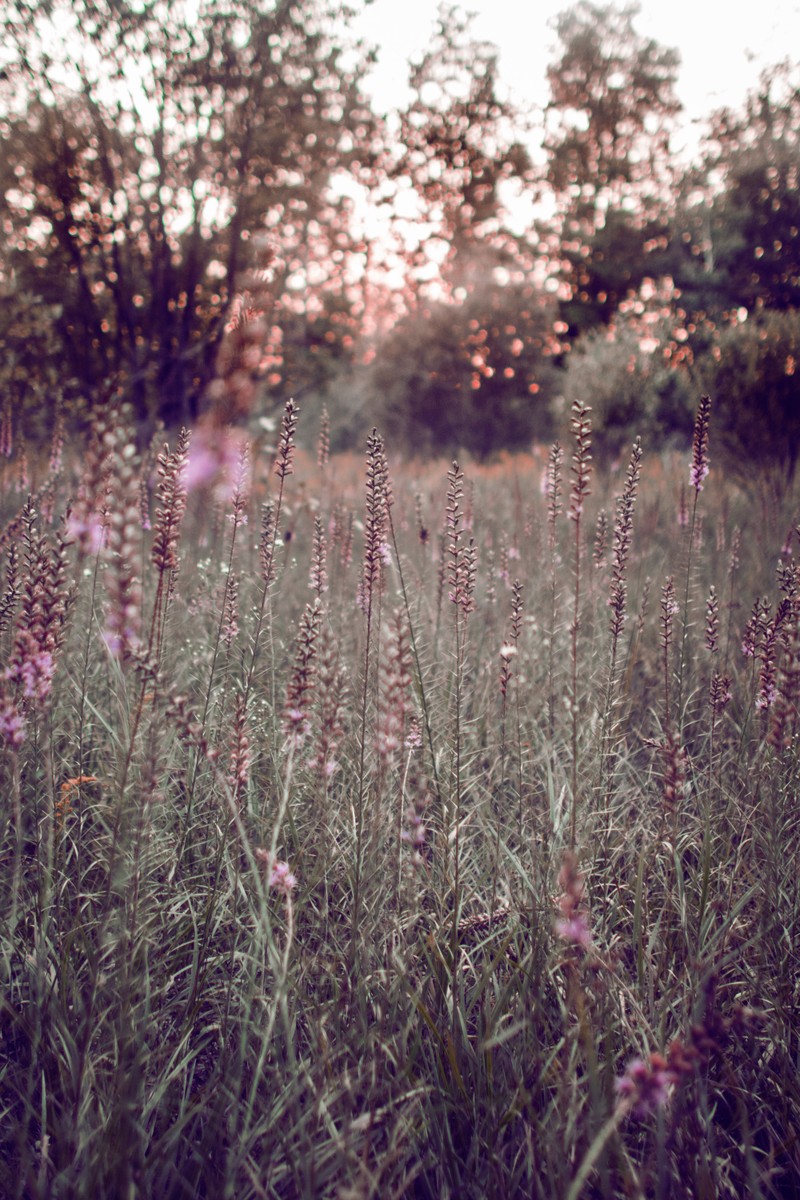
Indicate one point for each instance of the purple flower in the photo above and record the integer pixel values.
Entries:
(697, 474)
(645, 1086)
(575, 930)
(34, 672)
(89, 532)
(12, 726)
(573, 924)
(281, 879)
(699, 467)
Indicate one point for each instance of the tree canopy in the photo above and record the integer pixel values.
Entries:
(150, 152)
(607, 138)
(200, 206)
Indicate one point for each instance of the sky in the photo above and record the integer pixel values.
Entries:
(723, 47)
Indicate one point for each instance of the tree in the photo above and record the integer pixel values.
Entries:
(738, 243)
(155, 153)
(611, 110)
(460, 149)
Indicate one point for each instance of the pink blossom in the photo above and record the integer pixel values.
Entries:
(281, 878)
(35, 673)
(89, 532)
(414, 736)
(575, 930)
(645, 1086)
(697, 474)
(415, 836)
(214, 458)
(12, 726)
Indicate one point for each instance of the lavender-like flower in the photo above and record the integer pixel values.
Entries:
(699, 468)
(573, 925)
(279, 875)
(646, 1085)
(285, 462)
(581, 426)
(462, 561)
(376, 521)
(301, 682)
(172, 504)
(12, 724)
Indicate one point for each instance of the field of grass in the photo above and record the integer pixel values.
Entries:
(373, 830)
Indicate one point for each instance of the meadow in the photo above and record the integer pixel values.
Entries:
(392, 830)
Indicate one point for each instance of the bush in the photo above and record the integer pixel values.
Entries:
(629, 391)
(475, 376)
(752, 371)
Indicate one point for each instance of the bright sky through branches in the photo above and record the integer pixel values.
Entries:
(723, 47)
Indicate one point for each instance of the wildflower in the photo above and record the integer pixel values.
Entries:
(645, 1087)
(279, 876)
(284, 464)
(12, 725)
(300, 689)
(712, 621)
(324, 440)
(581, 426)
(395, 680)
(719, 693)
(31, 668)
(124, 588)
(331, 689)
(699, 468)
(552, 490)
(88, 531)
(416, 833)
(172, 504)
(575, 930)
(376, 522)
(414, 736)
(239, 752)
(214, 458)
(573, 925)
(318, 574)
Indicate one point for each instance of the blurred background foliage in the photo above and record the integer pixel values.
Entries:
(201, 207)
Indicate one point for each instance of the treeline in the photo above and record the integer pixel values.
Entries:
(202, 208)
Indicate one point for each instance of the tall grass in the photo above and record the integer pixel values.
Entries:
(330, 866)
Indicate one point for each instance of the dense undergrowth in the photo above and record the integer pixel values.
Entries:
(432, 835)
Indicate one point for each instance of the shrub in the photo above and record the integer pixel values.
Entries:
(753, 372)
(631, 392)
(475, 376)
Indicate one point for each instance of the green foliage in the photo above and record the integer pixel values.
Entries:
(736, 226)
(460, 149)
(631, 392)
(612, 91)
(146, 156)
(473, 376)
(753, 373)
(756, 218)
